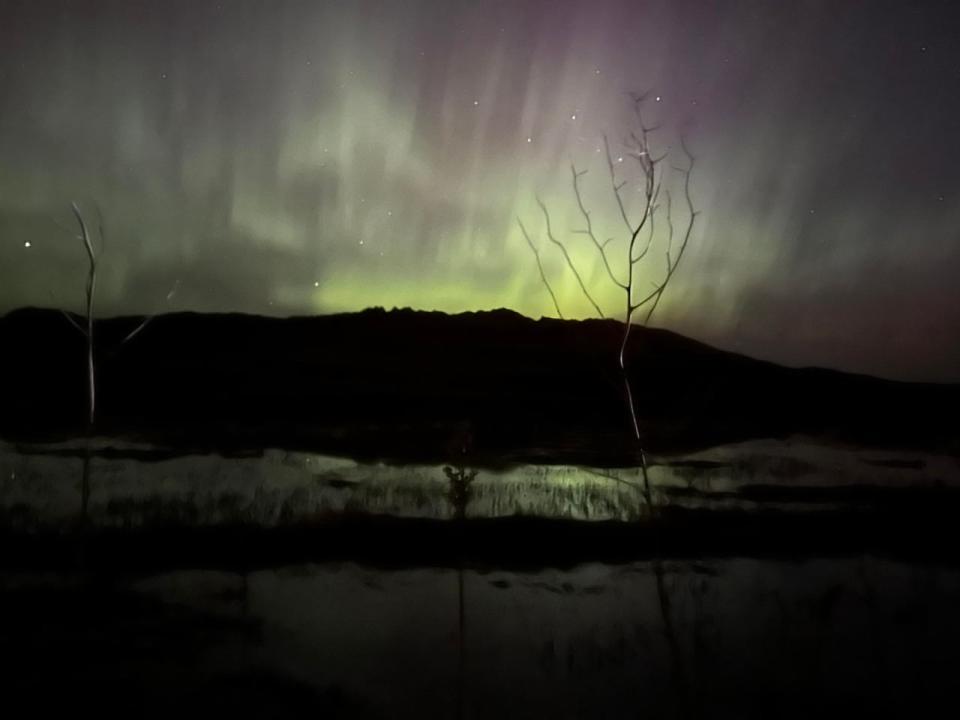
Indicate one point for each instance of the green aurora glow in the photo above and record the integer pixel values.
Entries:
(297, 157)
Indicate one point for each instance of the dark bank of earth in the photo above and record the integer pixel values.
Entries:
(410, 386)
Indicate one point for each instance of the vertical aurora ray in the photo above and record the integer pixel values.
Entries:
(297, 157)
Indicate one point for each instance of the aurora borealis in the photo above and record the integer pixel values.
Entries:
(312, 157)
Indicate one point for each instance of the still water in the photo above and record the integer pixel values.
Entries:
(776, 634)
(723, 638)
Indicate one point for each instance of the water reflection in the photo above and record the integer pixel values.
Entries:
(39, 488)
(662, 637)
(460, 491)
(730, 638)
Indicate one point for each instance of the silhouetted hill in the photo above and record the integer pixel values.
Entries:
(410, 385)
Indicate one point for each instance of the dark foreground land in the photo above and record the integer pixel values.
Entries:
(409, 386)
(263, 525)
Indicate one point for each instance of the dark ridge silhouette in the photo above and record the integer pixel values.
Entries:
(401, 384)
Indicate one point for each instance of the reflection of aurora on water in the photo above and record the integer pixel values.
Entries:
(281, 487)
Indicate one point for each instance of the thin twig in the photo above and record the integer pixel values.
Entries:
(616, 187)
(149, 318)
(69, 316)
(73, 322)
(100, 230)
(136, 331)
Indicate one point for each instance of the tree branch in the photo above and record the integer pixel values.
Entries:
(673, 263)
(566, 256)
(589, 229)
(149, 318)
(73, 322)
(615, 186)
(136, 331)
(100, 230)
(543, 276)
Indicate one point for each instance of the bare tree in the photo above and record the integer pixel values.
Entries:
(621, 258)
(87, 327)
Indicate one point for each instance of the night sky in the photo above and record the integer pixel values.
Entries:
(313, 157)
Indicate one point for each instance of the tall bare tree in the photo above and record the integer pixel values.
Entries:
(86, 328)
(621, 258)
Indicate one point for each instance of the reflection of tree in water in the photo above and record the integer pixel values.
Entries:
(460, 478)
(83, 517)
(678, 667)
(687, 599)
(459, 496)
(687, 688)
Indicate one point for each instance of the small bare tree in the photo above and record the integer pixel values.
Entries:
(87, 327)
(621, 260)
